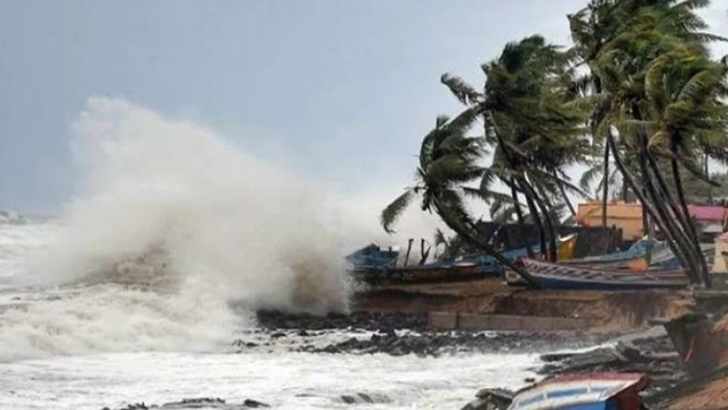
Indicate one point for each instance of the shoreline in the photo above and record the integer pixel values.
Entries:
(395, 321)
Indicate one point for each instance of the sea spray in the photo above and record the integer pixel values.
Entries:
(226, 220)
(171, 225)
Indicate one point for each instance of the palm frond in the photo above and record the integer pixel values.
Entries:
(464, 92)
(393, 211)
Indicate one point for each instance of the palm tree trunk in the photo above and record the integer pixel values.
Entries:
(684, 226)
(678, 230)
(605, 188)
(652, 211)
(536, 219)
(690, 226)
(516, 204)
(544, 220)
(529, 199)
(465, 234)
(661, 199)
(519, 214)
(563, 194)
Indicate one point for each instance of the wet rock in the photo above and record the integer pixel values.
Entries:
(490, 399)
(364, 398)
(357, 320)
(254, 404)
(652, 354)
(196, 403)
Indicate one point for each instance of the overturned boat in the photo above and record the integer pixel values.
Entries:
(590, 391)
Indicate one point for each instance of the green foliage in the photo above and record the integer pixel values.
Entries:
(641, 66)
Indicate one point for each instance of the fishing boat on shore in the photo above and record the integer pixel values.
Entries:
(635, 252)
(374, 256)
(575, 277)
(376, 265)
(565, 248)
(590, 391)
(635, 258)
(427, 273)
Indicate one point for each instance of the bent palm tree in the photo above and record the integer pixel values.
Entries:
(448, 162)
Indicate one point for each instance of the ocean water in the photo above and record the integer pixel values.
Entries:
(86, 346)
(126, 296)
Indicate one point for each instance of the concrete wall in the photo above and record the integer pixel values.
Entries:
(451, 321)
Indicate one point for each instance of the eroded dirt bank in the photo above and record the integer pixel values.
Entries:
(606, 312)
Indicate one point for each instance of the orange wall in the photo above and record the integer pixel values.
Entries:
(627, 217)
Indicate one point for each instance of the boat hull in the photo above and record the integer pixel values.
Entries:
(568, 277)
(592, 391)
(422, 274)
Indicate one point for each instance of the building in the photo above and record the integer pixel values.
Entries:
(621, 215)
(712, 220)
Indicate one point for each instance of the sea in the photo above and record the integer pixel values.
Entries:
(173, 238)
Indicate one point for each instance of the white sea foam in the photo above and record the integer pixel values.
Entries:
(170, 222)
(227, 221)
(283, 380)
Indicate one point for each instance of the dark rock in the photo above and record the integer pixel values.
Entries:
(365, 398)
(254, 403)
(491, 399)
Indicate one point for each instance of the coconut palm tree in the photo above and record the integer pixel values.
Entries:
(641, 69)
(448, 161)
(534, 123)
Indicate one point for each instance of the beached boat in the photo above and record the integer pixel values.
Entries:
(576, 277)
(433, 272)
(590, 391)
(377, 266)
(635, 252)
(489, 265)
(662, 258)
(374, 257)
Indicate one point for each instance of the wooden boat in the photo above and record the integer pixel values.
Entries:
(661, 259)
(434, 272)
(575, 277)
(377, 266)
(489, 265)
(373, 257)
(589, 391)
(635, 252)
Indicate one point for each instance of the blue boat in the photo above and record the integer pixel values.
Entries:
(374, 257)
(490, 266)
(376, 265)
(590, 391)
(577, 277)
(636, 251)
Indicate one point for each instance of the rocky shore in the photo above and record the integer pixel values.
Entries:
(400, 334)
(196, 403)
(650, 352)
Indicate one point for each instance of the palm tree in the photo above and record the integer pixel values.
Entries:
(681, 89)
(644, 70)
(449, 160)
(534, 122)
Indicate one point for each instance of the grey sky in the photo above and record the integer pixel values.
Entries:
(341, 91)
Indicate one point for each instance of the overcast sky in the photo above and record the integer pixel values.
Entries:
(341, 91)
